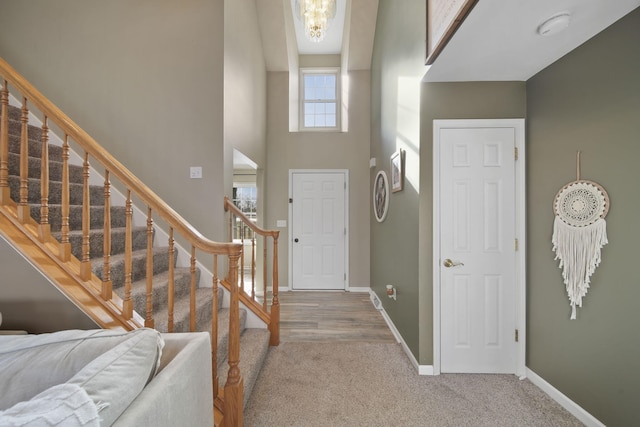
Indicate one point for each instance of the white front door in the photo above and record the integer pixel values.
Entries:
(318, 230)
(477, 254)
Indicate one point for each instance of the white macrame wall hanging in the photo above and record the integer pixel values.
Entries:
(579, 233)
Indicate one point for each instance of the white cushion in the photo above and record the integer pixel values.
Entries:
(114, 379)
(64, 405)
(31, 364)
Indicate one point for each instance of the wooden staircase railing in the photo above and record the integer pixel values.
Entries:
(242, 229)
(94, 295)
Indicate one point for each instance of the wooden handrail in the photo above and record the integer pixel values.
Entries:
(117, 169)
(229, 206)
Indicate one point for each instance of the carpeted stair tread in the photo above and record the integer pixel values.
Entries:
(181, 313)
(96, 241)
(55, 169)
(96, 216)
(160, 295)
(138, 271)
(96, 192)
(254, 343)
(34, 142)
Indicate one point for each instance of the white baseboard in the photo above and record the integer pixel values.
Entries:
(568, 404)
(422, 369)
(359, 289)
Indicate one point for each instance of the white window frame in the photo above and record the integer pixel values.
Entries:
(321, 70)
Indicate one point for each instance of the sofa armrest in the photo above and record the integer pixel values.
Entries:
(182, 391)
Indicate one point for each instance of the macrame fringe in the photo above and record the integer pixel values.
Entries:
(578, 249)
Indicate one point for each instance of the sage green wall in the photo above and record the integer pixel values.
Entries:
(144, 78)
(396, 69)
(320, 150)
(29, 302)
(588, 101)
(402, 111)
(465, 100)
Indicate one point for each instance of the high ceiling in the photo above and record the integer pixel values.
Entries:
(497, 41)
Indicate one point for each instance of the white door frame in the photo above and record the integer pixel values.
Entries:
(520, 200)
(346, 221)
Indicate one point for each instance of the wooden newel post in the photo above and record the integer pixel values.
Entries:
(274, 326)
(234, 388)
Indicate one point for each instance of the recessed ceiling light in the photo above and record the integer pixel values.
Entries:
(555, 24)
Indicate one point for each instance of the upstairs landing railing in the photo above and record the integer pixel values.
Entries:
(39, 233)
(254, 287)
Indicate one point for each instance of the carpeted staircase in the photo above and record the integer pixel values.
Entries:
(253, 342)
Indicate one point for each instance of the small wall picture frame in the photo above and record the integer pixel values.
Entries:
(380, 196)
(397, 171)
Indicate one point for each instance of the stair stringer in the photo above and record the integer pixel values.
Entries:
(140, 219)
(43, 256)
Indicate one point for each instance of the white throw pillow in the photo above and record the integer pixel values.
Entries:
(64, 405)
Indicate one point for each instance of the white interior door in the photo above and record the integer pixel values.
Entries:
(477, 257)
(318, 230)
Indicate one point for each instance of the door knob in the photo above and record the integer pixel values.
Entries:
(295, 240)
(448, 263)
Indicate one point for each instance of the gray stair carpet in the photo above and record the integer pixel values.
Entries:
(253, 342)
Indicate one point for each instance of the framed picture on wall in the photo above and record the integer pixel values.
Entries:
(443, 20)
(397, 171)
(380, 196)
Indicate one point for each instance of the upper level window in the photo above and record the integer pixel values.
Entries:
(320, 100)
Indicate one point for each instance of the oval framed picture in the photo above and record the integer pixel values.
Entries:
(380, 196)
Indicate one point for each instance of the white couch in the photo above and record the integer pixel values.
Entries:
(106, 377)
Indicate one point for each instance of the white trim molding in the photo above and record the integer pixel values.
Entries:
(422, 369)
(568, 404)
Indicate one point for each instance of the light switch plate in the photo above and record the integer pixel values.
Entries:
(281, 223)
(195, 172)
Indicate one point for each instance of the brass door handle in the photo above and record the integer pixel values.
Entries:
(448, 263)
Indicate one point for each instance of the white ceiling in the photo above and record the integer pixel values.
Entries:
(497, 41)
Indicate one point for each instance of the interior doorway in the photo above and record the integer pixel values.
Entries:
(318, 229)
(479, 246)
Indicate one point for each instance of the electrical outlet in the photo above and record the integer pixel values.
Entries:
(195, 172)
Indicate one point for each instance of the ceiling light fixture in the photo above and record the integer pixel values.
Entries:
(316, 15)
(555, 24)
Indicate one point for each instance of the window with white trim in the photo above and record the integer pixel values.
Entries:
(320, 99)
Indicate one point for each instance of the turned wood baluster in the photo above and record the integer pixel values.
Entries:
(23, 205)
(107, 285)
(5, 193)
(85, 264)
(148, 321)
(65, 245)
(264, 273)
(242, 231)
(253, 266)
(214, 327)
(127, 303)
(274, 326)
(44, 228)
(192, 299)
(171, 285)
(233, 389)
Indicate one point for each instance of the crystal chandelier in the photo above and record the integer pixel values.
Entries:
(316, 15)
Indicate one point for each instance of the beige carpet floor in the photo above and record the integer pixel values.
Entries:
(366, 384)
